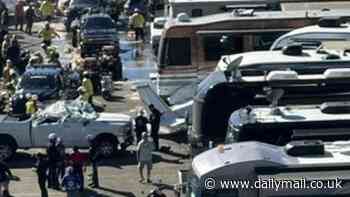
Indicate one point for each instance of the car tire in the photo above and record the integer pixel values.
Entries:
(7, 149)
(106, 146)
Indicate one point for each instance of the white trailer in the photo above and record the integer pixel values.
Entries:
(316, 168)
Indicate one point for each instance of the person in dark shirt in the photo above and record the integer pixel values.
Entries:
(5, 176)
(4, 22)
(155, 123)
(42, 166)
(94, 158)
(30, 16)
(140, 125)
(14, 51)
(62, 157)
(53, 158)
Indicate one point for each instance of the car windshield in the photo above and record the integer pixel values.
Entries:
(31, 82)
(90, 2)
(99, 23)
(159, 24)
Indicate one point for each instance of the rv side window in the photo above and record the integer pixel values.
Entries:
(197, 13)
(177, 52)
(214, 49)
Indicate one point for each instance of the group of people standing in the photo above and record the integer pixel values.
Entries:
(46, 11)
(24, 16)
(60, 170)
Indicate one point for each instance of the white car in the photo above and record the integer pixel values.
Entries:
(73, 122)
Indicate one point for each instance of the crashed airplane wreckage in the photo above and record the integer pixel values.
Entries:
(305, 76)
(290, 77)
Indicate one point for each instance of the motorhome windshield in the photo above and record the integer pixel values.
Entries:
(177, 51)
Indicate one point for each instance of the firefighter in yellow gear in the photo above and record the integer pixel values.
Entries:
(47, 9)
(31, 105)
(83, 96)
(47, 34)
(7, 72)
(87, 85)
(137, 23)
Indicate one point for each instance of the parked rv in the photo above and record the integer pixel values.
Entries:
(199, 8)
(255, 164)
(190, 47)
(218, 96)
(311, 37)
(307, 82)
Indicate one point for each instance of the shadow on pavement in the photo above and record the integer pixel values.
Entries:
(158, 158)
(167, 150)
(88, 192)
(117, 99)
(22, 160)
(178, 137)
(120, 159)
(99, 108)
(121, 193)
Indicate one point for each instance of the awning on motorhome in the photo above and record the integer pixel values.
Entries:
(300, 5)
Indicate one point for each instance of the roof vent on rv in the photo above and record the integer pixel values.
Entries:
(305, 147)
(243, 12)
(335, 21)
(183, 17)
(293, 50)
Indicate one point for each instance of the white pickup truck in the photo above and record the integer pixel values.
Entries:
(72, 121)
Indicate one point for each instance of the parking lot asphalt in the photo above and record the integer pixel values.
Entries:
(118, 175)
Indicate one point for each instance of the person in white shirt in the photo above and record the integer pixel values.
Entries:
(145, 149)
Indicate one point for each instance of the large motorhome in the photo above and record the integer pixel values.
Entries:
(315, 77)
(198, 8)
(190, 47)
(311, 37)
(254, 169)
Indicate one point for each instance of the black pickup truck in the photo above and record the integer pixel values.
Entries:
(94, 31)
